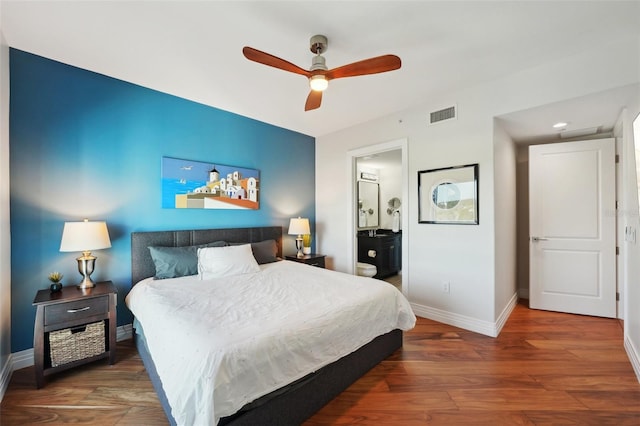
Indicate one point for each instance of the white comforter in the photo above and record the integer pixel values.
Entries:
(222, 343)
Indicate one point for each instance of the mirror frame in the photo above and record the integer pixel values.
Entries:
(373, 210)
(449, 195)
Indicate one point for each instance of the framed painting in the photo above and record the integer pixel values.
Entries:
(188, 184)
(448, 195)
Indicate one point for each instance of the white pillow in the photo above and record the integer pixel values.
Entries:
(217, 262)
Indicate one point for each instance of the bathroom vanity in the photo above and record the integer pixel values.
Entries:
(383, 249)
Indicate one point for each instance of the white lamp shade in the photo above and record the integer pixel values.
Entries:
(299, 226)
(85, 236)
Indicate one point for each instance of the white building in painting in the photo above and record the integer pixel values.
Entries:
(214, 175)
(240, 194)
(232, 190)
(252, 189)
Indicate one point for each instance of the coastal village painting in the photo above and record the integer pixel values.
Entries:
(190, 184)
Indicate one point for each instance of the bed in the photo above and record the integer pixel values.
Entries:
(275, 401)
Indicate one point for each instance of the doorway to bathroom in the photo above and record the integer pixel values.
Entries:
(378, 212)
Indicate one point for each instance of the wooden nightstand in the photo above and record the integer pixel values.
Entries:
(312, 259)
(79, 325)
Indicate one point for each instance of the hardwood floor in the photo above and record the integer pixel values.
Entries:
(545, 368)
(94, 394)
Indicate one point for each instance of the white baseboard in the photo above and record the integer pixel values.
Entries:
(506, 312)
(491, 329)
(5, 376)
(15, 361)
(634, 356)
(24, 359)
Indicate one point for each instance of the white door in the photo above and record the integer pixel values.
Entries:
(572, 227)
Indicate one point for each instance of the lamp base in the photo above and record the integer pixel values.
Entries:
(300, 254)
(87, 282)
(86, 263)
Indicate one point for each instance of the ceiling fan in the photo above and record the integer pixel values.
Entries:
(319, 75)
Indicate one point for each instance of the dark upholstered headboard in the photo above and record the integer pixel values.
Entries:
(142, 266)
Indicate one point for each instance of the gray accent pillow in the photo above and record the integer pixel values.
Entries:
(174, 262)
(264, 251)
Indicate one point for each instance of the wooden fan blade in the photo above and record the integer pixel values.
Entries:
(313, 100)
(272, 61)
(368, 66)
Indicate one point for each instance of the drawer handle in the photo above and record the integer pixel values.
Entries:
(73, 311)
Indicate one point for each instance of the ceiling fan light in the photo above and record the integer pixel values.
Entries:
(318, 83)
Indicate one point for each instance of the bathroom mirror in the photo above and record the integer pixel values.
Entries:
(368, 205)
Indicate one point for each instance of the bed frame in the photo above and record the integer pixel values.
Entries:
(292, 404)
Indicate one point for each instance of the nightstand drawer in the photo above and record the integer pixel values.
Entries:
(79, 309)
(319, 262)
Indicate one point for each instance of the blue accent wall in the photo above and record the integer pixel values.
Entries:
(83, 145)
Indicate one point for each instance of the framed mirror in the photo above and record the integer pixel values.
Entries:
(448, 195)
(368, 205)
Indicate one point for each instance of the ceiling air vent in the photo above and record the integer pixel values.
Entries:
(442, 115)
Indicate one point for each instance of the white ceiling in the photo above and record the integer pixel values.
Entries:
(585, 116)
(193, 49)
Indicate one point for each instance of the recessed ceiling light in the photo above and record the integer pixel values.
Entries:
(559, 124)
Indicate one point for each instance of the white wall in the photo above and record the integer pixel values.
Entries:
(505, 178)
(5, 240)
(466, 256)
(458, 254)
(631, 218)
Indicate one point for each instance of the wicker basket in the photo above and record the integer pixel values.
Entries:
(72, 344)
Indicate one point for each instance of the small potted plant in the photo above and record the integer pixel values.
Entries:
(55, 278)
(306, 243)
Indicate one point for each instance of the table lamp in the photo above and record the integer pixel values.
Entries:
(299, 226)
(85, 236)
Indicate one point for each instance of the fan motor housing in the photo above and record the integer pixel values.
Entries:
(318, 63)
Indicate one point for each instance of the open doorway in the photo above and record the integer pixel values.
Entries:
(378, 230)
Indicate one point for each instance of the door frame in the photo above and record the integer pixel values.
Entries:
(352, 155)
